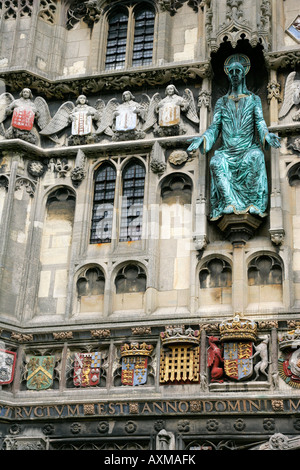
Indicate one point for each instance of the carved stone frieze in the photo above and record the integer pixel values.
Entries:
(172, 6)
(63, 335)
(21, 337)
(116, 81)
(141, 330)
(102, 333)
(282, 59)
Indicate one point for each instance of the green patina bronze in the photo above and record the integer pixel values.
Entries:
(237, 168)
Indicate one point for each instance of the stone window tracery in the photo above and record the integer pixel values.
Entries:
(124, 49)
(48, 10)
(264, 270)
(131, 278)
(10, 9)
(215, 273)
(265, 279)
(215, 278)
(91, 282)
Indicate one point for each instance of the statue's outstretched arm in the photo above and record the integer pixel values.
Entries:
(206, 141)
(264, 134)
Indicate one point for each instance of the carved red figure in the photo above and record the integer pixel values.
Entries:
(214, 358)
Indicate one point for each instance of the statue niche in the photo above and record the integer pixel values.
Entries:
(238, 172)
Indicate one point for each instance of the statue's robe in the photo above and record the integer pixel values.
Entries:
(238, 172)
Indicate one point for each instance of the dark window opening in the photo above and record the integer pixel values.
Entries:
(132, 202)
(104, 196)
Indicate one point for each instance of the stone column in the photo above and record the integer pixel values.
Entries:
(7, 213)
(276, 216)
(238, 229)
(239, 278)
(200, 236)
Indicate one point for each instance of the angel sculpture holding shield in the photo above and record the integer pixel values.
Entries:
(25, 113)
(124, 121)
(80, 117)
(165, 114)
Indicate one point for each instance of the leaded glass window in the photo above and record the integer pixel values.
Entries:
(104, 196)
(125, 49)
(132, 202)
(116, 42)
(143, 37)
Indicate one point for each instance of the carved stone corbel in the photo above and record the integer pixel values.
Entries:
(274, 91)
(277, 236)
(78, 173)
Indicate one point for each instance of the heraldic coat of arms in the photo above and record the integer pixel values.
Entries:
(87, 369)
(7, 366)
(40, 372)
(135, 363)
(237, 337)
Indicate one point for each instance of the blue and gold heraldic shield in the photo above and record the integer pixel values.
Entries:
(134, 370)
(87, 369)
(238, 362)
(40, 372)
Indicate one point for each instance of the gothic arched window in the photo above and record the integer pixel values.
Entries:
(104, 195)
(132, 202)
(130, 37)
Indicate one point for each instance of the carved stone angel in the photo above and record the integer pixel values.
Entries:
(124, 121)
(165, 114)
(80, 117)
(291, 97)
(25, 112)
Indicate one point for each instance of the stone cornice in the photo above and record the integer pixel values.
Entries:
(91, 150)
(61, 87)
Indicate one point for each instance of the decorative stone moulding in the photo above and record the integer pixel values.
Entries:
(179, 334)
(238, 329)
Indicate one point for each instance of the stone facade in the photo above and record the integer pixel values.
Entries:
(106, 243)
